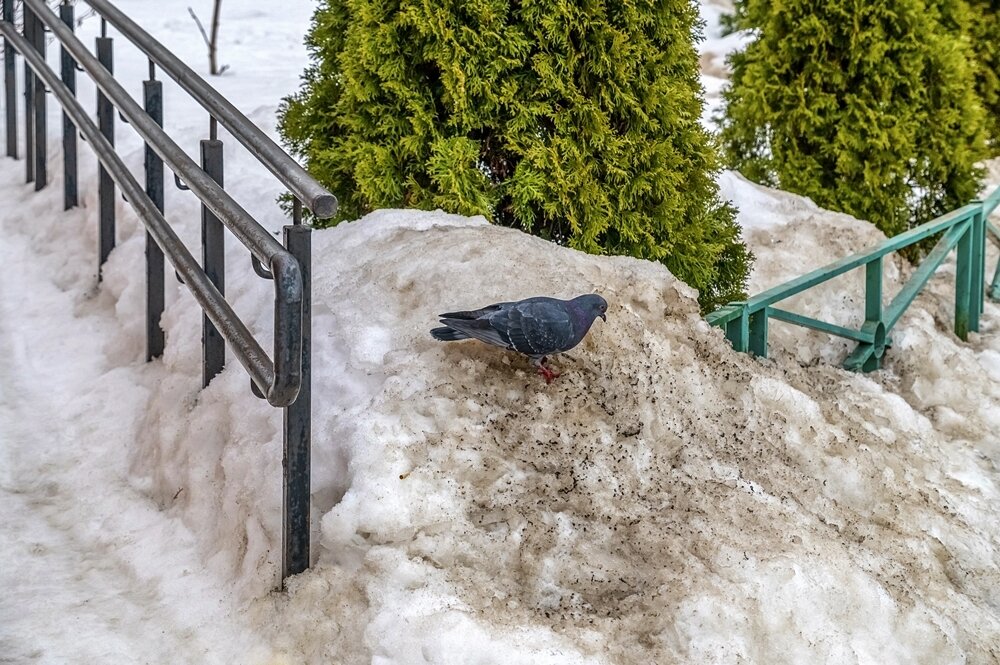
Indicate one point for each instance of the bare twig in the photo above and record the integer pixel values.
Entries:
(201, 29)
(211, 41)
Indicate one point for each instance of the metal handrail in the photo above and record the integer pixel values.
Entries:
(278, 382)
(849, 263)
(314, 196)
(249, 232)
(249, 352)
(284, 377)
(746, 322)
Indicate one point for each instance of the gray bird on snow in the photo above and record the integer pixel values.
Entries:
(536, 327)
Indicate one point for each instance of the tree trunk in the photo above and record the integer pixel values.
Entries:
(213, 63)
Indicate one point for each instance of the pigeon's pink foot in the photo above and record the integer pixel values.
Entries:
(548, 373)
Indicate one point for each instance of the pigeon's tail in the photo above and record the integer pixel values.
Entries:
(448, 334)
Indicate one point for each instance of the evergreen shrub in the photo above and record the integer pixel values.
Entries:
(865, 107)
(575, 121)
(983, 31)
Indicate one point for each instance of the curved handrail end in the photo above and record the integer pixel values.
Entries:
(324, 206)
(287, 330)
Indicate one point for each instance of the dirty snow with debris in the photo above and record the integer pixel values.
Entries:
(667, 500)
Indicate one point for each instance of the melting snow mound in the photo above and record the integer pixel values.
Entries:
(665, 500)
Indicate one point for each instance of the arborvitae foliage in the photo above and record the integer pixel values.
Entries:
(866, 107)
(576, 121)
(980, 25)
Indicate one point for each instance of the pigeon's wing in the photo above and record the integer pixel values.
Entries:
(537, 328)
(476, 313)
(478, 328)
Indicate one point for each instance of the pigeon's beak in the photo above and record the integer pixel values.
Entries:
(604, 317)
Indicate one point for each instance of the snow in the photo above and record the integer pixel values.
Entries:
(87, 558)
(712, 51)
(666, 500)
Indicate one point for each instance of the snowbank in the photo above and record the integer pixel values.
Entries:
(666, 500)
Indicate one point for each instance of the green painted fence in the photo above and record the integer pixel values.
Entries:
(965, 229)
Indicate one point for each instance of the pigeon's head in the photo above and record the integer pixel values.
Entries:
(594, 305)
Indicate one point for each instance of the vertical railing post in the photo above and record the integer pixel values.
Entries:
(978, 272)
(68, 72)
(738, 330)
(41, 122)
(10, 83)
(105, 185)
(27, 29)
(298, 420)
(152, 91)
(873, 308)
(758, 333)
(873, 290)
(963, 282)
(213, 255)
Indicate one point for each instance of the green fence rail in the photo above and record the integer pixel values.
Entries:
(746, 322)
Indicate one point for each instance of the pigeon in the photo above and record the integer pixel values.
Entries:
(537, 327)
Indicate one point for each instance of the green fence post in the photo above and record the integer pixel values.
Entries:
(758, 333)
(873, 290)
(978, 276)
(738, 331)
(963, 282)
(873, 308)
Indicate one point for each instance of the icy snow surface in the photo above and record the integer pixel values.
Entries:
(666, 501)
